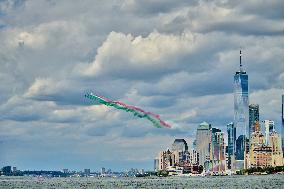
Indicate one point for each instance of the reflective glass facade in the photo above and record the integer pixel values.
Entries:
(253, 117)
(241, 104)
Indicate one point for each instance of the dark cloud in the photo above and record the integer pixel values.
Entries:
(149, 7)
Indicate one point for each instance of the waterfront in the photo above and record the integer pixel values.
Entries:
(252, 181)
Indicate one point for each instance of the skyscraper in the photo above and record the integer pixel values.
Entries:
(282, 129)
(241, 101)
(253, 117)
(231, 131)
(203, 142)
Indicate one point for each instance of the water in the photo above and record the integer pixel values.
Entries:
(260, 181)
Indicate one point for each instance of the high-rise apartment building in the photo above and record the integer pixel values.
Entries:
(241, 103)
(253, 117)
(203, 142)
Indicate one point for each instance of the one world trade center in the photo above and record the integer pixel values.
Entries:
(241, 109)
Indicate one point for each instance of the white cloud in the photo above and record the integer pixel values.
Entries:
(40, 86)
(122, 52)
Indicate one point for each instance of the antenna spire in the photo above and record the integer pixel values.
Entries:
(241, 66)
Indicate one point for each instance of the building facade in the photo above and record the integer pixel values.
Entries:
(253, 117)
(261, 156)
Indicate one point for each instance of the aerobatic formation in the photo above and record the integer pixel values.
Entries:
(138, 112)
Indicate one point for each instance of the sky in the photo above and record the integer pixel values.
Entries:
(174, 58)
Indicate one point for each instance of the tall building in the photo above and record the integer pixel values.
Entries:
(269, 127)
(179, 145)
(231, 133)
(282, 129)
(203, 142)
(241, 102)
(253, 117)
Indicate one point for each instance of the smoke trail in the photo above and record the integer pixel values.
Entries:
(138, 112)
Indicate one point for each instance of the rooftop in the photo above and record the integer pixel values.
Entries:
(203, 126)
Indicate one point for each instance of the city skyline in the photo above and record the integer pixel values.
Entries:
(163, 56)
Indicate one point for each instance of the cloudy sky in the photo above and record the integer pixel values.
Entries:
(174, 58)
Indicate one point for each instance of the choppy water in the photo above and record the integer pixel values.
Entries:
(261, 181)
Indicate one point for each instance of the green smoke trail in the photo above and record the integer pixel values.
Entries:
(135, 111)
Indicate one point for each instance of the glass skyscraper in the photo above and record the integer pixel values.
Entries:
(253, 117)
(241, 102)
